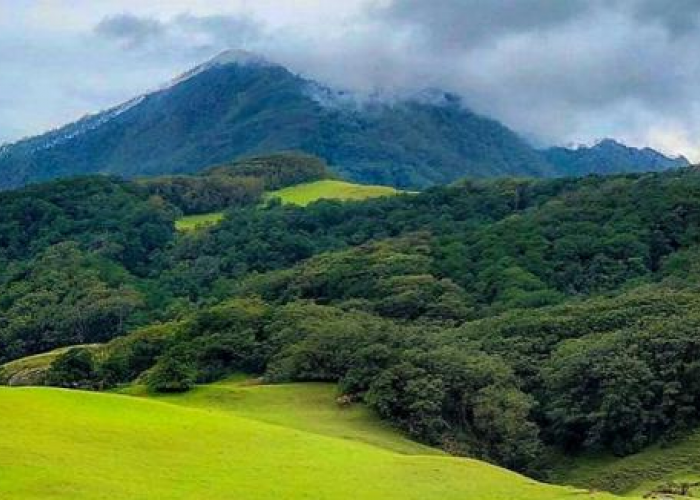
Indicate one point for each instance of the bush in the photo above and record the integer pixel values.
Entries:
(74, 368)
(172, 373)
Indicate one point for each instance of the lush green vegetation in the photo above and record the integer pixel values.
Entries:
(195, 453)
(32, 370)
(237, 184)
(303, 194)
(511, 320)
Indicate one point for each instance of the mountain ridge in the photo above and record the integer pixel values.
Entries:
(610, 156)
(239, 104)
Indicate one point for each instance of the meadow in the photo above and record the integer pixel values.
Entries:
(220, 443)
(192, 222)
(303, 194)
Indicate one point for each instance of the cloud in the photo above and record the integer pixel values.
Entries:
(130, 30)
(460, 24)
(678, 17)
(560, 72)
(185, 31)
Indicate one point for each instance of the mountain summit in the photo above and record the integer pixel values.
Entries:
(239, 104)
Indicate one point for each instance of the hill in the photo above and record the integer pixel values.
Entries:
(609, 156)
(234, 106)
(193, 453)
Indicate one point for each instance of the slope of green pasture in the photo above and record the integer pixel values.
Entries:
(58, 444)
(303, 194)
(309, 407)
(638, 474)
(192, 222)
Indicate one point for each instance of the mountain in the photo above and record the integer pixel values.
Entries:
(239, 104)
(609, 156)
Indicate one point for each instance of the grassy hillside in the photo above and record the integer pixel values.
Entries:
(106, 446)
(308, 407)
(638, 474)
(303, 194)
(192, 222)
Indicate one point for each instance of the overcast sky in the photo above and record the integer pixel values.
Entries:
(557, 71)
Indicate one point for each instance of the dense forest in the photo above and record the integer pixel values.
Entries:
(507, 319)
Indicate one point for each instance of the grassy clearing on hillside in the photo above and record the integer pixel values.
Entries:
(309, 407)
(61, 445)
(640, 473)
(303, 194)
(192, 222)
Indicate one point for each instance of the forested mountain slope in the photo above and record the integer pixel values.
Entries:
(498, 319)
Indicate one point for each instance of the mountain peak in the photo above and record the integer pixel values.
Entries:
(609, 143)
(238, 56)
(226, 58)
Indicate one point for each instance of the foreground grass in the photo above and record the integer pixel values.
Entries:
(58, 445)
(638, 474)
(303, 194)
(308, 407)
(192, 222)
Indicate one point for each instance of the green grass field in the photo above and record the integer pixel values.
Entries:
(308, 407)
(303, 194)
(192, 222)
(641, 473)
(219, 444)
